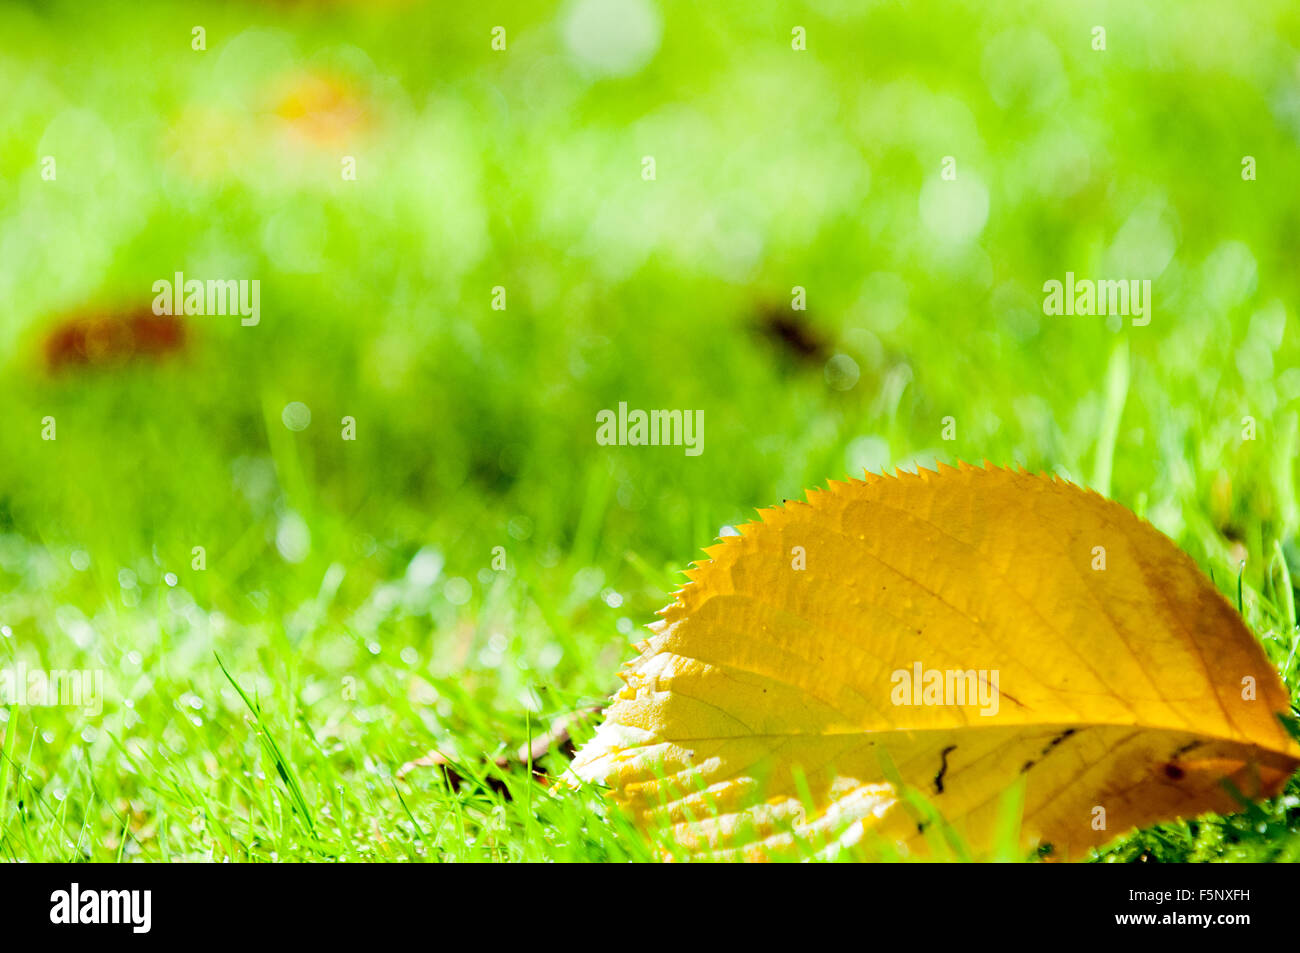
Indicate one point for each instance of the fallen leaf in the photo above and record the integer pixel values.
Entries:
(777, 706)
(112, 338)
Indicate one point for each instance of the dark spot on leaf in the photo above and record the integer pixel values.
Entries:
(943, 768)
(1058, 739)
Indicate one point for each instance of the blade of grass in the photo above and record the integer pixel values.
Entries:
(6, 764)
(1117, 384)
(282, 766)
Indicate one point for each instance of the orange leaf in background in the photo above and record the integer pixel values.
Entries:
(973, 628)
(321, 108)
(113, 338)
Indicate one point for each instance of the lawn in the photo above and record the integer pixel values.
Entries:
(503, 267)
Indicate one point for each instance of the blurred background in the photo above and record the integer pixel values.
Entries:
(353, 582)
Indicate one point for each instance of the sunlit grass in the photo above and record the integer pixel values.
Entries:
(348, 586)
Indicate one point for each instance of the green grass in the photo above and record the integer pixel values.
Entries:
(349, 589)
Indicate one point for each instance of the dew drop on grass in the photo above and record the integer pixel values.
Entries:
(842, 372)
(549, 657)
(293, 538)
(296, 416)
(956, 211)
(458, 591)
(611, 37)
(587, 582)
(867, 453)
(425, 568)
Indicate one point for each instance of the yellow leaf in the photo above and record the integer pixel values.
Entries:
(1060, 642)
